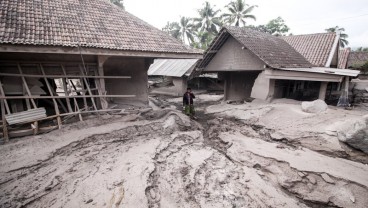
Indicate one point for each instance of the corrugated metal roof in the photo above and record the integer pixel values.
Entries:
(172, 67)
(324, 70)
(26, 116)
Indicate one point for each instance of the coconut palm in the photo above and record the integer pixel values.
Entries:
(182, 30)
(186, 30)
(208, 19)
(173, 29)
(343, 36)
(238, 12)
(203, 40)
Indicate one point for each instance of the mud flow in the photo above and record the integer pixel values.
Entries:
(162, 158)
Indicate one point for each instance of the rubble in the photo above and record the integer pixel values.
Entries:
(354, 132)
(316, 106)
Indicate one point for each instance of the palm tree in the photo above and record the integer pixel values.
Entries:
(343, 36)
(238, 13)
(182, 30)
(186, 30)
(173, 29)
(208, 19)
(118, 3)
(203, 40)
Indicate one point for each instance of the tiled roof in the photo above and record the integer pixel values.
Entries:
(343, 58)
(272, 50)
(316, 48)
(357, 58)
(88, 23)
(172, 67)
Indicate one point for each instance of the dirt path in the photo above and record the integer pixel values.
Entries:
(162, 158)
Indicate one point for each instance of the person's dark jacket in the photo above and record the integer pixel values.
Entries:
(188, 98)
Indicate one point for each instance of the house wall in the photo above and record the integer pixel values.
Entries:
(123, 66)
(180, 85)
(238, 85)
(231, 57)
(263, 88)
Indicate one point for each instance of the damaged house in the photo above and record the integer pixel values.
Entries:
(62, 58)
(259, 65)
(172, 74)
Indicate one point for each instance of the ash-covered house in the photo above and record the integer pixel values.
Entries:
(359, 86)
(94, 43)
(259, 65)
(173, 74)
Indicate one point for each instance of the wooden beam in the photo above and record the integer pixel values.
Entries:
(84, 94)
(66, 90)
(5, 127)
(64, 76)
(71, 96)
(2, 93)
(95, 51)
(88, 88)
(56, 107)
(26, 86)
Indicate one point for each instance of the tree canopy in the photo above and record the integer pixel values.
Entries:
(275, 27)
(119, 3)
(238, 12)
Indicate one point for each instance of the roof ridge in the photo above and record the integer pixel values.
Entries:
(310, 34)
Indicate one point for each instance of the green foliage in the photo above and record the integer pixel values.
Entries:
(364, 68)
(182, 30)
(343, 36)
(208, 20)
(275, 27)
(361, 49)
(201, 30)
(238, 12)
(119, 3)
(173, 29)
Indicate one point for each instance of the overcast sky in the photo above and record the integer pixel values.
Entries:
(302, 16)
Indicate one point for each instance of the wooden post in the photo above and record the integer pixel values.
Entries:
(66, 91)
(56, 107)
(5, 128)
(101, 82)
(88, 88)
(322, 91)
(5, 101)
(76, 106)
(26, 86)
(84, 93)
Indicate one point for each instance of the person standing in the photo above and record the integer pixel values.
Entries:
(188, 102)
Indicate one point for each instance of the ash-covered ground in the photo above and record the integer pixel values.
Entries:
(247, 155)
